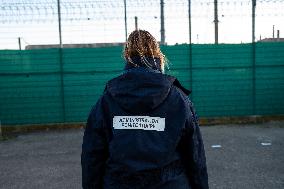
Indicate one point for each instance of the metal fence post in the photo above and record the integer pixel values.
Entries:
(163, 40)
(216, 21)
(190, 46)
(253, 57)
(125, 20)
(61, 64)
(19, 42)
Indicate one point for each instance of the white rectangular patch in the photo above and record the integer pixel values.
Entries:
(139, 122)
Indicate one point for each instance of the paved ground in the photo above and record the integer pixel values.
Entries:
(46, 160)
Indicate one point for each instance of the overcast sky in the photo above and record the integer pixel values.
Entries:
(100, 21)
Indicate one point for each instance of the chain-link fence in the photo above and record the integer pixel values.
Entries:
(57, 55)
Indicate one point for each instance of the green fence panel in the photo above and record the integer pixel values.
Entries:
(30, 99)
(269, 78)
(222, 80)
(85, 77)
(178, 62)
(29, 61)
(81, 93)
(30, 87)
(93, 59)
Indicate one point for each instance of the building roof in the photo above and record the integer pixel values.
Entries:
(271, 40)
(86, 45)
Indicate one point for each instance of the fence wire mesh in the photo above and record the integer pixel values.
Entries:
(231, 58)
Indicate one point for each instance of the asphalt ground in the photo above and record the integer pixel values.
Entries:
(238, 156)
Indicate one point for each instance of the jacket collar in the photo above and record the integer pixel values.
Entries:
(172, 79)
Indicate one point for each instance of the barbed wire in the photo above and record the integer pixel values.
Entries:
(46, 11)
(87, 21)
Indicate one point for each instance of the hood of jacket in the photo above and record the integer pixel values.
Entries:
(141, 90)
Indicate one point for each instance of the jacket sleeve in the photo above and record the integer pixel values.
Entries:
(192, 152)
(94, 149)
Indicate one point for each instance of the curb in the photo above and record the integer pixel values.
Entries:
(79, 125)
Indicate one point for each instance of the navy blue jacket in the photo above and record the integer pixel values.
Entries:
(143, 133)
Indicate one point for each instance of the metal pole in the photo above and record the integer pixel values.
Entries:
(61, 64)
(190, 45)
(125, 20)
(189, 20)
(162, 23)
(59, 23)
(216, 20)
(19, 42)
(253, 56)
(273, 32)
(253, 20)
(136, 23)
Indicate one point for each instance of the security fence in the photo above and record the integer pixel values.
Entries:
(57, 55)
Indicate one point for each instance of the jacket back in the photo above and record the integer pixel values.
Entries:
(147, 134)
